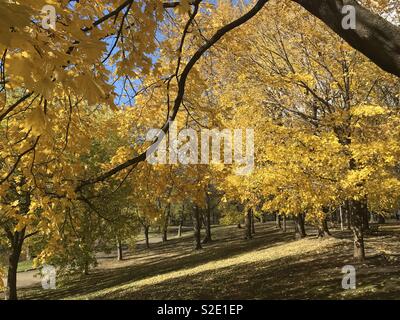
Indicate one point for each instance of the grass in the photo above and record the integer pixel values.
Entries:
(271, 266)
(25, 266)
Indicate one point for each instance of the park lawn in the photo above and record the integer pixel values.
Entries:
(273, 265)
(26, 265)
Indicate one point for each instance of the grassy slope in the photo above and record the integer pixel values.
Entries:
(271, 266)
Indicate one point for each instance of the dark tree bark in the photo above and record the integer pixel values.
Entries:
(323, 230)
(146, 236)
(253, 226)
(181, 221)
(278, 221)
(373, 36)
(381, 219)
(348, 215)
(284, 223)
(197, 228)
(166, 223)
(119, 250)
(207, 225)
(239, 225)
(17, 240)
(86, 268)
(300, 225)
(341, 217)
(247, 224)
(356, 213)
(365, 217)
(180, 228)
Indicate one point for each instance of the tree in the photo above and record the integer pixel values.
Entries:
(324, 137)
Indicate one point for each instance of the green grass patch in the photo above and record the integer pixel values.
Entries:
(25, 266)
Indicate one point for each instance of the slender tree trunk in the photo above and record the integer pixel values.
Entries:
(164, 235)
(166, 223)
(180, 227)
(372, 217)
(381, 219)
(300, 226)
(278, 221)
(197, 228)
(119, 250)
(146, 236)
(348, 216)
(341, 218)
(365, 218)
(207, 225)
(239, 225)
(86, 268)
(247, 224)
(284, 223)
(253, 227)
(356, 213)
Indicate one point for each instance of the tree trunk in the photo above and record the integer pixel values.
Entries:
(356, 213)
(119, 250)
(341, 218)
(365, 218)
(17, 241)
(239, 225)
(207, 225)
(323, 230)
(253, 227)
(164, 235)
(146, 236)
(300, 226)
(165, 224)
(278, 221)
(284, 223)
(86, 268)
(180, 228)
(197, 228)
(247, 224)
(348, 216)
(381, 219)
(11, 290)
(372, 217)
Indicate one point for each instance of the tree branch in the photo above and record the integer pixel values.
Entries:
(181, 91)
(375, 37)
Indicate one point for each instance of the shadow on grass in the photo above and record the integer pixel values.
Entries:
(174, 255)
(306, 276)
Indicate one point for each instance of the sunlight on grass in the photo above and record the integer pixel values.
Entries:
(25, 266)
(282, 250)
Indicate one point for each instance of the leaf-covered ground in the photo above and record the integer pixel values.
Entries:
(274, 265)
